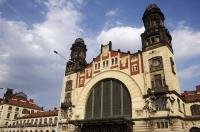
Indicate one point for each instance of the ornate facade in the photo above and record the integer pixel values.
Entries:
(123, 91)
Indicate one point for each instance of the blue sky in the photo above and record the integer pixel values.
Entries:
(31, 29)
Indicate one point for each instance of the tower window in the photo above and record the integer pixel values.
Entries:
(98, 65)
(172, 65)
(179, 105)
(68, 86)
(195, 109)
(158, 80)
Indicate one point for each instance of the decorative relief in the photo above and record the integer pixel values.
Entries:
(134, 65)
(88, 73)
(81, 79)
(156, 64)
(105, 56)
(124, 63)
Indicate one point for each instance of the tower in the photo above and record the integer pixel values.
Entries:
(78, 55)
(159, 66)
(155, 34)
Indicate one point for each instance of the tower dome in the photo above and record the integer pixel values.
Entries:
(152, 9)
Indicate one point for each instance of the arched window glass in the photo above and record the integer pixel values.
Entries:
(195, 109)
(109, 98)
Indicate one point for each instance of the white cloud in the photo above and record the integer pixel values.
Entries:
(26, 54)
(190, 72)
(186, 42)
(124, 38)
(111, 12)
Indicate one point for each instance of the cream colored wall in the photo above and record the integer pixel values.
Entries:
(137, 86)
(171, 79)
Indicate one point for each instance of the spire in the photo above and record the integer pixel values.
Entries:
(155, 33)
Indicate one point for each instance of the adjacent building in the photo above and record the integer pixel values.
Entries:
(124, 91)
(20, 114)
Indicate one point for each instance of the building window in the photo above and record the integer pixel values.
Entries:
(135, 67)
(32, 121)
(17, 109)
(116, 60)
(10, 108)
(195, 109)
(108, 98)
(172, 65)
(45, 120)
(156, 64)
(8, 115)
(36, 121)
(158, 80)
(98, 65)
(162, 124)
(6, 123)
(184, 108)
(112, 61)
(40, 121)
(103, 64)
(107, 63)
(15, 116)
(95, 66)
(50, 120)
(179, 105)
(55, 120)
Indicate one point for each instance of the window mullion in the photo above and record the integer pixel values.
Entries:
(122, 100)
(93, 103)
(101, 111)
(111, 98)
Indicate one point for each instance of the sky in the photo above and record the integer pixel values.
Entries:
(30, 30)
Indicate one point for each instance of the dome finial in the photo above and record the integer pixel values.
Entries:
(151, 6)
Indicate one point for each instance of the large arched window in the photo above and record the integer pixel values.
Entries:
(195, 109)
(109, 98)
